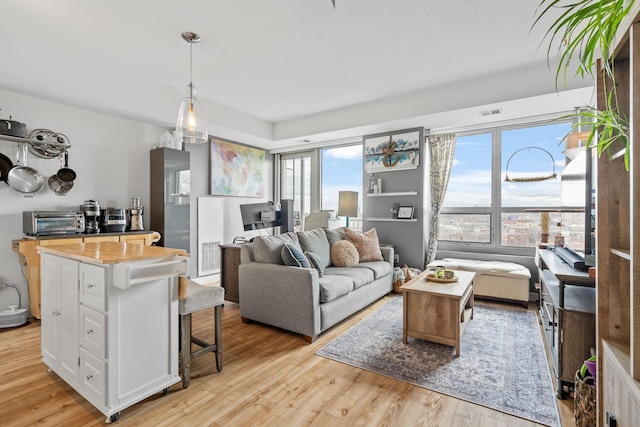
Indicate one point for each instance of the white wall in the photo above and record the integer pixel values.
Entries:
(111, 158)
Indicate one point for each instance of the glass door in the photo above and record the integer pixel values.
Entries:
(295, 184)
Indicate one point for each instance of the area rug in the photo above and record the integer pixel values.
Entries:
(502, 363)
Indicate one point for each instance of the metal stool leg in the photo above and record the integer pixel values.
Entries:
(185, 348)
(218, 336)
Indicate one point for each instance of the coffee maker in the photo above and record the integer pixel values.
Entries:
(135, 215)
(91, 210)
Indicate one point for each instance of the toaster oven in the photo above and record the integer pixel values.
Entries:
(49, 223)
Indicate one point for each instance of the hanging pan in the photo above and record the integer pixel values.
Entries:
(5, 166)
(66, 174)
(23, 178)
(59, 187)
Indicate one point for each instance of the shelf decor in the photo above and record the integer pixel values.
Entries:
(236, 170)
(405, 212)
(392, 152)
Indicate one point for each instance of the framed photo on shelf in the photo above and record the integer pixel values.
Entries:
(405, 212)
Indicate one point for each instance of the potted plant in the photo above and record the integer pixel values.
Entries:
(587, 29)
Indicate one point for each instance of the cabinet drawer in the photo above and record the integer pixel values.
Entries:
(93, 282)
(93, 331)
(92, 376)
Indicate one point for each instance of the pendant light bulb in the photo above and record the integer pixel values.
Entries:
(191, 122)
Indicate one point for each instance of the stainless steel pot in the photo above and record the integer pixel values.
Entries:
(23, 178)
(12, 128)
(59, 187)
(5, 166)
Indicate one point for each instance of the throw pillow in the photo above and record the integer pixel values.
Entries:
(315, 261)
(316, 241)
(366, 243)
(344, 254)
(334, 234)
(268, 248)
(293, 256)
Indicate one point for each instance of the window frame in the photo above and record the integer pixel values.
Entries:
(496, 210)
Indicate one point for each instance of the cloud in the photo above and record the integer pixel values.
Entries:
(348, 152)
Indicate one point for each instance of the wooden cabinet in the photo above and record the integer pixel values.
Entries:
(567, 313)
(29, 257)
(230, 263)
(618, 245)
(111, 330)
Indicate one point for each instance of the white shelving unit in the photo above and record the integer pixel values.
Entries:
(392, 219)
(393, 194)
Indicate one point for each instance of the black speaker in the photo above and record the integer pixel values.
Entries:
(286, 215)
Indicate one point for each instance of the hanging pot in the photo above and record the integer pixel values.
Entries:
(59, 187)
(66, 174)
(23, 178)
(5, 166)
(13, 128)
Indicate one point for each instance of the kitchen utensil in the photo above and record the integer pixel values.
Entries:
(23, 178)
(5, 166)
(12, 128)
(66, 174)
(47, 144)
(59, 187)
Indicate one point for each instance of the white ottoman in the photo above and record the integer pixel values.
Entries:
(494, 279)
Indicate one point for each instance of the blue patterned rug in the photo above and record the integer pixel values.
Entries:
(502, 363)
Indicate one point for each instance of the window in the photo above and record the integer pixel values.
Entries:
(482, 209)
(342, 171)
(314, 178)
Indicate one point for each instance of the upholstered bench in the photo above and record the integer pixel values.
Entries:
(494, 279)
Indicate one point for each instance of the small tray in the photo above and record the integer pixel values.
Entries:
(431, 278)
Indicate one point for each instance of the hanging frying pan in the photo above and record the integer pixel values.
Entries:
(59, 187)
(66, 174)
(5, 166)
(23, 178)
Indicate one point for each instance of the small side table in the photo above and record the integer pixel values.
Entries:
(437, 312)
(229, 263)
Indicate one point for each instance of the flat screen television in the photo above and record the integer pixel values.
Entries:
(256, 216)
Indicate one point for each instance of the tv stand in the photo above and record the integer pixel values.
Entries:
(567, 314)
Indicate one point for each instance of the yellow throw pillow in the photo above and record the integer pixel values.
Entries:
(366, 244)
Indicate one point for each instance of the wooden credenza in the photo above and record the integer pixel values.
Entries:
(30, 258)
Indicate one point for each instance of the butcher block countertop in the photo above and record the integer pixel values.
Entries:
(110, 252)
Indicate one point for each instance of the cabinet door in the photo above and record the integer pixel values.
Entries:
(50, 272)
(68, 326)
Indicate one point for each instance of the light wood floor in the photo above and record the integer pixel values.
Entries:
(269, 378)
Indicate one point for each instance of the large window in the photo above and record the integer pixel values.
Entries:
(313, 179)
(483, 209)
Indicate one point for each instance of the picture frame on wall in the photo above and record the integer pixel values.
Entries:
(236, 169)
(392, 152)
(405, 212)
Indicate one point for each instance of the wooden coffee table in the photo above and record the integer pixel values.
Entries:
(437, 312)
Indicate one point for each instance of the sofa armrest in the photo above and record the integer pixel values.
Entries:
(282, 296)
(388, 254)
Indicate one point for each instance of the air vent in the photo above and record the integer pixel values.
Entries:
(491, 112)
(210, 253)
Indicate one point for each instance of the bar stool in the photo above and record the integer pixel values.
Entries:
(195, 297)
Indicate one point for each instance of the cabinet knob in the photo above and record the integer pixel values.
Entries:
(89, 285)
(89, 377)
(89, 331)
(56, 313)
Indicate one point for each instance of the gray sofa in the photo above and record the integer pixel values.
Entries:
(307, 301)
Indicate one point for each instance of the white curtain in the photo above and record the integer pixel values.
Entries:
(441, 150)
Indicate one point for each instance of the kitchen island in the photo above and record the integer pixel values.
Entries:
(110, 319)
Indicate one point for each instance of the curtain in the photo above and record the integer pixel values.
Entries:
(441, 150)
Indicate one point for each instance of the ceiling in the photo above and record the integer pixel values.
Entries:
(281, 73)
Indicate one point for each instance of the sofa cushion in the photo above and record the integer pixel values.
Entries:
(360, 276)
(344, 254)
(315, 262)
(293, 256)
(379, 268)
(332, 287)
(268, 248)
(316, 241)
(334, 234)
(366, 243)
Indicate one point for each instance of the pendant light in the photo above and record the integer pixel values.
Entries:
(191, 122)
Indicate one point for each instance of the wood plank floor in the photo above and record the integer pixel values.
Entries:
(270, 378)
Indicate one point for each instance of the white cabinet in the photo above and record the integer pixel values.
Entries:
(60, 317)
(114, 343)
